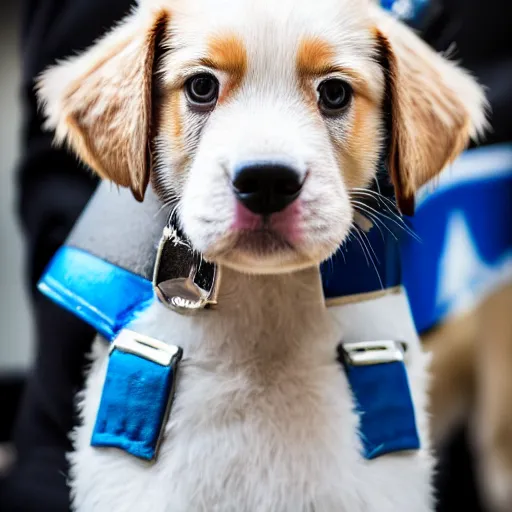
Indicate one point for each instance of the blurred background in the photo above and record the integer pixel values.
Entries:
(16, 328)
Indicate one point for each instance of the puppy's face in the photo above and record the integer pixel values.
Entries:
(257, 119)
(269, 116)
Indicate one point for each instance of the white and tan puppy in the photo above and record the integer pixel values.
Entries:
(200, 98)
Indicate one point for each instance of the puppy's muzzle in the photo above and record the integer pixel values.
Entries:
(265, 188)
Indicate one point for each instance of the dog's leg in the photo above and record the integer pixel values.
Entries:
(493, 414)
(452, 374)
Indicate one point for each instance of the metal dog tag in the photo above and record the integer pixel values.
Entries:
(182, 279)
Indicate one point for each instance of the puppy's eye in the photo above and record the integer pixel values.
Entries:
(334, 95)
(202, 90)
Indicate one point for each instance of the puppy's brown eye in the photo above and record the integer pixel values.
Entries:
(334, 95)
(202, 90)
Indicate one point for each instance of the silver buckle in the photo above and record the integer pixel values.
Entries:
(191, 286)
(364, 353)
(149, 348)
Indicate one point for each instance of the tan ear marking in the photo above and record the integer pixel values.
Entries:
(434, 109)
(100, 102)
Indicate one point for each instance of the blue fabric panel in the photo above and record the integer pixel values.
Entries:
(350, 271)
(383, 400)
(105, 296)
(465, 239)
(411, 12)
(133, 404)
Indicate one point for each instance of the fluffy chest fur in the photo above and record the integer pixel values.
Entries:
(263, 417)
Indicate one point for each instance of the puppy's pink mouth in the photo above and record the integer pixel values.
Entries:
(278, 231)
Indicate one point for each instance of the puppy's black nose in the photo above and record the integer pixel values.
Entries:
(266, 188)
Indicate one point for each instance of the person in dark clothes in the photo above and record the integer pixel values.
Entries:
(54, 188)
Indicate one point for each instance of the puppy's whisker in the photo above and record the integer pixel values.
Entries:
(370, 257)
(362, 247)
(382, 201)
(404, 227)
(362, 233)
(166, 204)
(362, 208)
(390, 205)
(376, 222)
(400, 224)
(377, 184)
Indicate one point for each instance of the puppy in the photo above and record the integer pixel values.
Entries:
(256, 120)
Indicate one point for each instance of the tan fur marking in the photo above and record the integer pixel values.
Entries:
(314, 57)
(361, 140)
(115, 50)
(430, 125)
(363, 109)
(374, 31)
(357, 152)
(106, 103)
(176, 118)
(227, 53)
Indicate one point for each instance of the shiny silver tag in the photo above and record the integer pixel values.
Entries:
(182, 279)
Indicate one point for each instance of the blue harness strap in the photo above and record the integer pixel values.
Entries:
(376, 372)
(385, 406)
(378, 379)
(103, 295)
(137, 394)
(141, 374)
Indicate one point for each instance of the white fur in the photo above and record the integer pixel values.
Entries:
(263, 417)
(269, 119)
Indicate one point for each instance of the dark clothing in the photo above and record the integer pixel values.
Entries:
(477, 34)
(53, 189)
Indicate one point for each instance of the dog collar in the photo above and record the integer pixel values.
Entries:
(141, 375)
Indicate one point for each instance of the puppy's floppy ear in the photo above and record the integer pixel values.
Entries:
(435, 108)
(100, 102)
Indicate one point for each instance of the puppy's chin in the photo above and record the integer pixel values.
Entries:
(248, 263)
(263, 253)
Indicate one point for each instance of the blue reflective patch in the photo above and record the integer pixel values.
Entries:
(105, 296)
(411, 12)
(465, 240)
(134, 404)
(383, 401)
